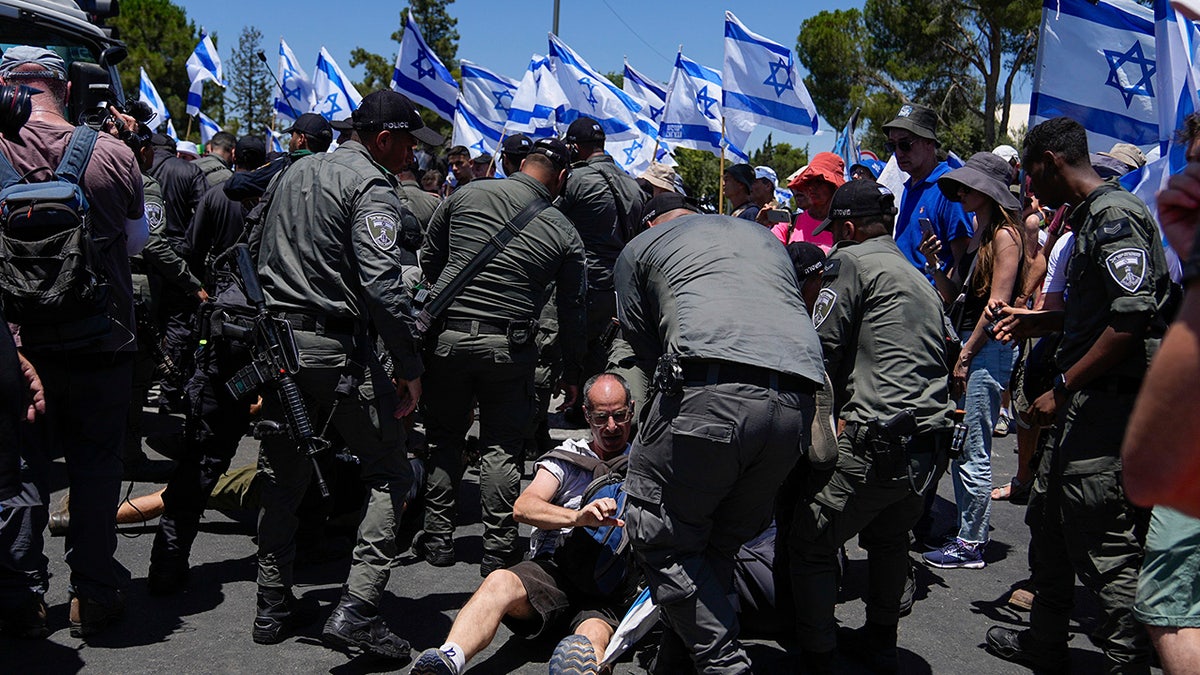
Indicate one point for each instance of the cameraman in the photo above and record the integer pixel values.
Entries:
(87, 389)
(882, 334)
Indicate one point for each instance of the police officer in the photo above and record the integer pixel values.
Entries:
(605, 204)
(218, 158)
(309, 133)
(329, 264)
(711, 304)
(513, 152)
(421, 203)
(883, 339)
(485, 349)
(1111, 325)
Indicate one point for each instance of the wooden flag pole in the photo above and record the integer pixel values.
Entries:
(189, 129)
(721, 182)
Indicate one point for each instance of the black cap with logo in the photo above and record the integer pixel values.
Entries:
(389, 110)
(859, 199)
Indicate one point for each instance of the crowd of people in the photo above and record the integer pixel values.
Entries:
(811, 373)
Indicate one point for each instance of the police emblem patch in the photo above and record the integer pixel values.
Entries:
(1127, 267)
(823, 306)
(382, 228)
(154, 216)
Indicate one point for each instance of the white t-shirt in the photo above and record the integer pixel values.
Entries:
(1056, 264)
(572, 483)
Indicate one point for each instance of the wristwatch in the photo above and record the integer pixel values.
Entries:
(1060, 385)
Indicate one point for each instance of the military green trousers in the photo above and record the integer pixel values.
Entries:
(1083, 526)
(461, 370)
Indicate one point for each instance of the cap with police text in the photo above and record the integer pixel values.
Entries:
(51, 65)
(584, 130)
(918, 119)
(387, 110)
(662, 203)
(859, 199)
(313, 126)
(807, 258)
(517, 145)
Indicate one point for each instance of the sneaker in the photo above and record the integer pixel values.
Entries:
(574, 655)
(956, 554)
(433, 662)
(1023, 648)
(1003, 425)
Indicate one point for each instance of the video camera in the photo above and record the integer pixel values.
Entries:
(93, 91)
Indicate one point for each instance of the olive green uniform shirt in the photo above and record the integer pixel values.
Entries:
(421, 203)
(330, 247)
(605, 216)
(513, 286)
(883, 335)
(216, 171)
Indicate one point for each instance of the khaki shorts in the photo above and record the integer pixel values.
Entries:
(558, 604)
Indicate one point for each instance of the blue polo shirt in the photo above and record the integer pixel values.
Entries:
(925, 200)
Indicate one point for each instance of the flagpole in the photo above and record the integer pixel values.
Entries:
(721, 181)
(189, 129)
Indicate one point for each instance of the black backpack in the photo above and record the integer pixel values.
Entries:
(598, 560)
(51, 282)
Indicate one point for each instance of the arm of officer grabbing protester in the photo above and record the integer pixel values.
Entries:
(534, 508)
(1017, 323)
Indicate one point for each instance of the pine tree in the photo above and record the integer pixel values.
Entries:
(250, 85)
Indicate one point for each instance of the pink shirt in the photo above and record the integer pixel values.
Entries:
(802, 230)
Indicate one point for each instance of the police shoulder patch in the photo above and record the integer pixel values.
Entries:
(832, 267)
(1127, 267)
(383, 229)
(1117, 229)
(155, 218)
(823, 306)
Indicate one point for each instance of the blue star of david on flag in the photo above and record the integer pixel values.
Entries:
(1117, 60)
(704, 102)
(777, 67)
(292, 93)
(424, 72)
(656, 112)
(590, 87)
(500, 96)
(334, 108)
(480, 147)
(632, 151)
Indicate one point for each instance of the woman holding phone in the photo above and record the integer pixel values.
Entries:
(990, 270)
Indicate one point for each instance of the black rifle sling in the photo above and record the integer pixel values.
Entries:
(490, 250)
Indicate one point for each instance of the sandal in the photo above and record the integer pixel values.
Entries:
(1015, 492)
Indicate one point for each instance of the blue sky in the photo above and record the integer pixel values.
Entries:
(501, 35)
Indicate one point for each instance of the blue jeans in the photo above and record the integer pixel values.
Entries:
(987, 378)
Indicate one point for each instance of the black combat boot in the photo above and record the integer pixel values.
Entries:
(356, 624)
(881, 653)
(280, 614)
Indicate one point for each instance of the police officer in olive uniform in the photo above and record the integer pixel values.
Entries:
(605, 204)
(218, 158)
(1117, 287)
(883, 338)
(329, 264)
(711, 305)
(485, 349)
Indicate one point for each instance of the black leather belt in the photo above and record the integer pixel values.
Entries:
(699, 373)
(322, 325)
(473, 327)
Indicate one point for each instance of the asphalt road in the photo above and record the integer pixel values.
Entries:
(207, 628)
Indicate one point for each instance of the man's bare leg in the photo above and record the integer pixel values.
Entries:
(598, 632)
(1179, 648)
(500, 594)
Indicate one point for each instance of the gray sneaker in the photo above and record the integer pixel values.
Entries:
(433, 662)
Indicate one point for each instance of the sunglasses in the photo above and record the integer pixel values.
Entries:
(600, 419)
(905, 145)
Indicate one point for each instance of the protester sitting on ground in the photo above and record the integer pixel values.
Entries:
(539, 595)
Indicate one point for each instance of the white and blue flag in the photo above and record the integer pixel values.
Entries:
(420, 75)
(482, 108)
(149, 95)
(846, 146)
(297, 96)
(762, 85)
(652, 96)
(275, 141)
(171, 132)
(628, 138)
(208, 128)
(538, 103)
(692, 118)
(203, 65)
(334, 96)
(1110, 86)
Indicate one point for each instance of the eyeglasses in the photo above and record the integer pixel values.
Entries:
(905, 145)
(600, 419)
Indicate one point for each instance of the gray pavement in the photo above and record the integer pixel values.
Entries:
(207, 628)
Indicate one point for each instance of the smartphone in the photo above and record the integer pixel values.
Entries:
(779, 216)
(926, 226)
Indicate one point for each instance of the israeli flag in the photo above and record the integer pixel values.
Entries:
(1177, 41)
(482, 108)
(629, 139)
(420, 75)
(334, 97)
(845, 146)
(692, 118)
(171, 132)
(652, 96)
(204, 64)
(762, 85)
(298, 97)
(149, 95)
(208, 129)
(1109, 87)
(538, 103)
(275, 141)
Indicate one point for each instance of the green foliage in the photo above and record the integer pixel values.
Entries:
(959, 57)
(782, 157)
(250, 87)
(160, 38)
(701, 174)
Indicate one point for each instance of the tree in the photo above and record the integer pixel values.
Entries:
(959, 57)
(783, 158)
(250, 85)
(438, 29)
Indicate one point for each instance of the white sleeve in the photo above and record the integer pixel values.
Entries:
(137, 233)
(1056, 264)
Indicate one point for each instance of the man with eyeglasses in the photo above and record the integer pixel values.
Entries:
(912, 137)
(537, 595)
